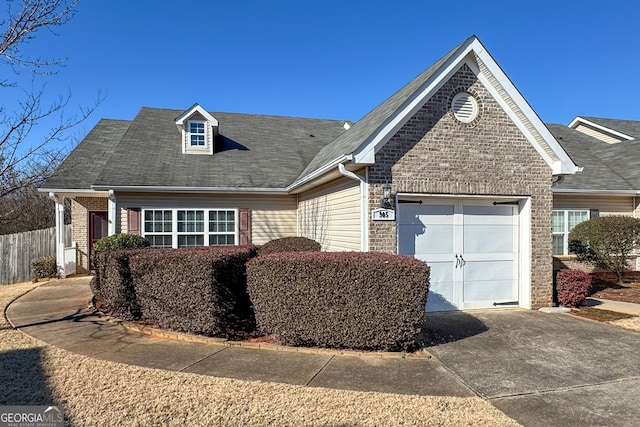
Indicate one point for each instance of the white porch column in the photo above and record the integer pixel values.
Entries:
(112, 213)
(60, 261)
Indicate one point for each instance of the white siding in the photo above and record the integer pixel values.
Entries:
(330, 215)
(272, 217)
(606, 205)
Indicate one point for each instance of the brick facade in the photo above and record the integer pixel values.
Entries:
(434, 153)
(80, 208)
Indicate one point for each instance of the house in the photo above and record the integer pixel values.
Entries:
(609, 152)
(455, 168)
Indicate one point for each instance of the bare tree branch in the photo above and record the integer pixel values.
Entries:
(21, 26)
(23, 161)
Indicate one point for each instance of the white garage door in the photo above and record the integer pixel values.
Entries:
(471, 246)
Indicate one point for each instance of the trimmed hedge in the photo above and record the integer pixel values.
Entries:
(116, 294)
(194, 290)
(43, 268)
(369, 301)
(112, 284)
(574, 286)
(290, 244)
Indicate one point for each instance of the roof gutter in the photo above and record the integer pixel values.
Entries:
(319, 172)
(66, 190)
(596, 192)
(165, 189)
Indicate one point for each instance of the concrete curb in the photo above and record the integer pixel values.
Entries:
(6, 307)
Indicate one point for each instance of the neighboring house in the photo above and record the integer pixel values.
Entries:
(609, 152)
(464, 162)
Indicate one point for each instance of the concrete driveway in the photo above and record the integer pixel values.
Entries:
(542, 369)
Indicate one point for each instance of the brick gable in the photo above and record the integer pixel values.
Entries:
(433, 153)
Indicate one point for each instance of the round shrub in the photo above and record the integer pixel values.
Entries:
(574, 286)
(607, 241)
(120, 241)
(44, 268)
(369, 301)
(290, 244)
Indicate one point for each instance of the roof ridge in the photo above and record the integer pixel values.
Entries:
(375, 119)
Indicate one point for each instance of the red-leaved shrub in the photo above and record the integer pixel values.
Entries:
(574, 286)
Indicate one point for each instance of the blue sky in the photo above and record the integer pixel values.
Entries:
(335, 59)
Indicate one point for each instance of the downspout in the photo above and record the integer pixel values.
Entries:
(111, 214)
(364, 240)
(557, 180)
(634, 215)
(60, 261)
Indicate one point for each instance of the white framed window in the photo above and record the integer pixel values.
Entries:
(158, 227)
(180, 228)
(563, 222)
(197, 133)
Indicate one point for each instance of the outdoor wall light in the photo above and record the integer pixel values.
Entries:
(386, 202)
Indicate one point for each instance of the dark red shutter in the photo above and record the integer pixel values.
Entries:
(245, 226)
(133, 221)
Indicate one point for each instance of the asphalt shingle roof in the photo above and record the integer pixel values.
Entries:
(607, 167)
(628, 127)
(85, 163)
(251, 151)
(369, 125)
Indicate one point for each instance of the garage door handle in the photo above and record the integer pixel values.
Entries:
(462, 261)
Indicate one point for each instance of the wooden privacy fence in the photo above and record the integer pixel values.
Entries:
(18, 250)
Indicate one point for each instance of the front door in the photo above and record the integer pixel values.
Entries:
(98, 227)
(471, 246)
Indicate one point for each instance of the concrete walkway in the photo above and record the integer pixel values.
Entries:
(59, 315)
(618, 306)
(540, 369)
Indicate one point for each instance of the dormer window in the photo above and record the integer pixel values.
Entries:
(199, 129)
(197, 135)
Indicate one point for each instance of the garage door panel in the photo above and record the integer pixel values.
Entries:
(441, 289)
(487, 239)
(488, 271)
(488, 214)
(426, 214)
(433, 239)
(477, 291)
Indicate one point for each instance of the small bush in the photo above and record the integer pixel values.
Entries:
(194, 290)
(574, 286)
(290, 244)
(368, 301)
(120, 241)
(43, 268)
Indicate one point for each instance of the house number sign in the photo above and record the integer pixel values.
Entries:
(383, 215)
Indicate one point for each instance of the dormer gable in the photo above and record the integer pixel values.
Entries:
(199, 130)
(589, 126)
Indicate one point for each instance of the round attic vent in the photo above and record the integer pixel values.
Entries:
(464, 107)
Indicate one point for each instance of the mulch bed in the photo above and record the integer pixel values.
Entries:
(599, 314)
(606, 287)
